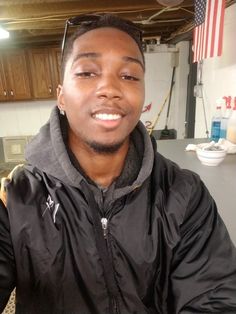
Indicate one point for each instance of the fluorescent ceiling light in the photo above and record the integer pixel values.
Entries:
(4, 33)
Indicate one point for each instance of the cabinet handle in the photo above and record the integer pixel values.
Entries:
(11, 92)
(50, 90)
(5, 93)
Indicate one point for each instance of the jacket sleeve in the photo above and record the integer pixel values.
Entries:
(7, 262)
(203, 276)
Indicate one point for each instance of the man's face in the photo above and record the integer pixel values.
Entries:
(103, 88)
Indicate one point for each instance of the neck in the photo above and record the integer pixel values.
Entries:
(102, 169)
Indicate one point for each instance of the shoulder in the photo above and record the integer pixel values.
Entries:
(19, 175)
(184, 192)
(170, 174)
(23, 181)
(6, 180)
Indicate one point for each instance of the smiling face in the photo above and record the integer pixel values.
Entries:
(103, 89)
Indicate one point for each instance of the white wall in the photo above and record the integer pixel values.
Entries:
(23, 118)
(26, 117)
(219, 74)
(182, 72)
(159, 67)
(158, 80)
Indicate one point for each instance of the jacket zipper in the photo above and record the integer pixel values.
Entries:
(104, 222)
(114, 306)
(110, 280)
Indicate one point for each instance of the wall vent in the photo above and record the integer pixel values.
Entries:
(14, 148)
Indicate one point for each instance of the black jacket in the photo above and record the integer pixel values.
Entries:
(163, 248)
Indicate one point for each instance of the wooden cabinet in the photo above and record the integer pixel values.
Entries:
(45, 67)
(3, 83)
(33, 73)
(56, 60)
(14, 76)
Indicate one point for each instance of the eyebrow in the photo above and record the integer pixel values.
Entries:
(95, 55)
(135, 60)
(81, 55)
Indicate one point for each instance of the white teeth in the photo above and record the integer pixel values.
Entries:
(106, 116)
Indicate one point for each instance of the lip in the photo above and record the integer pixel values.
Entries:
(110, 110)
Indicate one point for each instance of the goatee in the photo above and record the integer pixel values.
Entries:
(104, 149)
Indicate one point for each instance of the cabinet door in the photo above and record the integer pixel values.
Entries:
(3, 86)
(56, 67)
(17, 75)
(41, 73)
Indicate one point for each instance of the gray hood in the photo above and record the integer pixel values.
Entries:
(47, 152)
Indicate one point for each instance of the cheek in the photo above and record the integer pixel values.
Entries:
(74, 88)
(75, 99)
(137, 100)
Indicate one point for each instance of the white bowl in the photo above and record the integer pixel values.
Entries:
(211, 156)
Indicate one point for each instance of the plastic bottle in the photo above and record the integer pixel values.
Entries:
(226, 116)
(215, 122)
(231, 130)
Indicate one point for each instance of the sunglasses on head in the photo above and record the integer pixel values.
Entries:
(89, 19)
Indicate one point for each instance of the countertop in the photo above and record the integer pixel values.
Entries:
(220, 180)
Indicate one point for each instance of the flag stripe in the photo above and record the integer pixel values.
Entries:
(207, 26)
(217, 29)
(213, 31)
(221, 31)
(202, 41)
(209, 20)
(205, 39)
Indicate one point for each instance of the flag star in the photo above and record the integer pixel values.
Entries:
(200, 10)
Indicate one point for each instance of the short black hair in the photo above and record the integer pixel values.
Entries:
(103, 20)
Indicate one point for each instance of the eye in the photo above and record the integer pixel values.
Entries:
(130, 78)
(85, 74)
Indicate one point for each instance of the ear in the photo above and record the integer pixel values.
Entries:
(60, 97)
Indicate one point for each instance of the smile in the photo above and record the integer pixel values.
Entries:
(106, 116)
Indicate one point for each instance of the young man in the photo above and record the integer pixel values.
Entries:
(98, 221)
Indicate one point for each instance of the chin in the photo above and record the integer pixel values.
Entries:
(105, 149)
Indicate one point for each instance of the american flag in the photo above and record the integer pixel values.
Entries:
(208, 31)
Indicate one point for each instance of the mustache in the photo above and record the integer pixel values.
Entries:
(110, 108)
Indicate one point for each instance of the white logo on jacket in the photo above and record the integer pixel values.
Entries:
(52, 207)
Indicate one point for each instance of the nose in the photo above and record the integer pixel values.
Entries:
(109, 86)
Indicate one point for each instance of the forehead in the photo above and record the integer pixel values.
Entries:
(107, 39)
